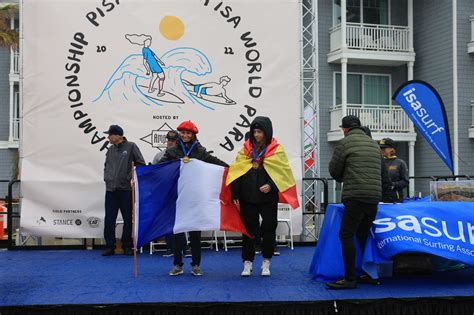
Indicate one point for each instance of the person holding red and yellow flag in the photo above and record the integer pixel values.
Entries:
(260, 177)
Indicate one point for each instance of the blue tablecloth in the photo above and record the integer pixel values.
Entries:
(444, 229)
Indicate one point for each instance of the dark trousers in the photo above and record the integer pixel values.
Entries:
(115, 200)
(195, 240)
(258, 238)
(250, 216)
(356, 220)
(169, 239)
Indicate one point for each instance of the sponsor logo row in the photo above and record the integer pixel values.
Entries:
(93, 222)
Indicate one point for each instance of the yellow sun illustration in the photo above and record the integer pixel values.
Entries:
(171, 27)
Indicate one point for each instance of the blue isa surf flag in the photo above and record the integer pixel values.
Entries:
(422, 103)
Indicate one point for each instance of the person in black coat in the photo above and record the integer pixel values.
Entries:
(257, 195)
(188, 147)
(397, 169)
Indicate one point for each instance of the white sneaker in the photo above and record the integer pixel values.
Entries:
(247, 272)
(266, 268)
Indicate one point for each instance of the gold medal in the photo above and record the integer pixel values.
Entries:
(187, 152)
(255, 165)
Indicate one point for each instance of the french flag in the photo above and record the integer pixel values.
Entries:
(175, 197)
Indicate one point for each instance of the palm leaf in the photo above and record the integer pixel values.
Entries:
(8, 37)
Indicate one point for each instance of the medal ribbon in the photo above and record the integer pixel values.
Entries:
(256, 157)
(187, 153)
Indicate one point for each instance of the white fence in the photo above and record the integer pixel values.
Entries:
(371, 37)
(472, 113)
(15, 121)
(382, 118)
(16, 62)
(16, 129)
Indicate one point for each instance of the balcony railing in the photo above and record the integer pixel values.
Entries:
(15, 120)
(15, 129)
(15, 68)
(471, 129)
(372, 37)
(470, 45)
(379, 118)
(472, 113)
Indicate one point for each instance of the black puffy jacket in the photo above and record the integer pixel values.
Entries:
(199, 152)
(356, 162)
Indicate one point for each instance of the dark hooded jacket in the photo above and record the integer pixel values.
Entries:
(199, 152)
(247, 187)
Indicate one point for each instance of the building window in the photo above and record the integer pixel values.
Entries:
(375, 11)
(364, 89)
(352, 9)
(365, 11)
(354, 89)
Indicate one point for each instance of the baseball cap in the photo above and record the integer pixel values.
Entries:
(350, 121)
(114, 130)
(386, 143)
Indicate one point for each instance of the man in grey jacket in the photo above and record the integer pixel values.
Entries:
(118, 195)
(357, 163)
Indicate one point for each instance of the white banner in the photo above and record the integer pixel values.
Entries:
(88, 64)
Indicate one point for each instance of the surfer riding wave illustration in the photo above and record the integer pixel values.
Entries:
(152, 63)
(140, 78)
(211, 91)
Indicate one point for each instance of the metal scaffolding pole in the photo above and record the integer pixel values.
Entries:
(310, 104)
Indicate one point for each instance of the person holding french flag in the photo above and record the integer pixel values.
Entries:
(187, 148)
(260, 177)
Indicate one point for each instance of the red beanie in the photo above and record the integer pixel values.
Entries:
(188, 126)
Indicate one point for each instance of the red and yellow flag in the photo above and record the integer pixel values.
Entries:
(275, 163)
